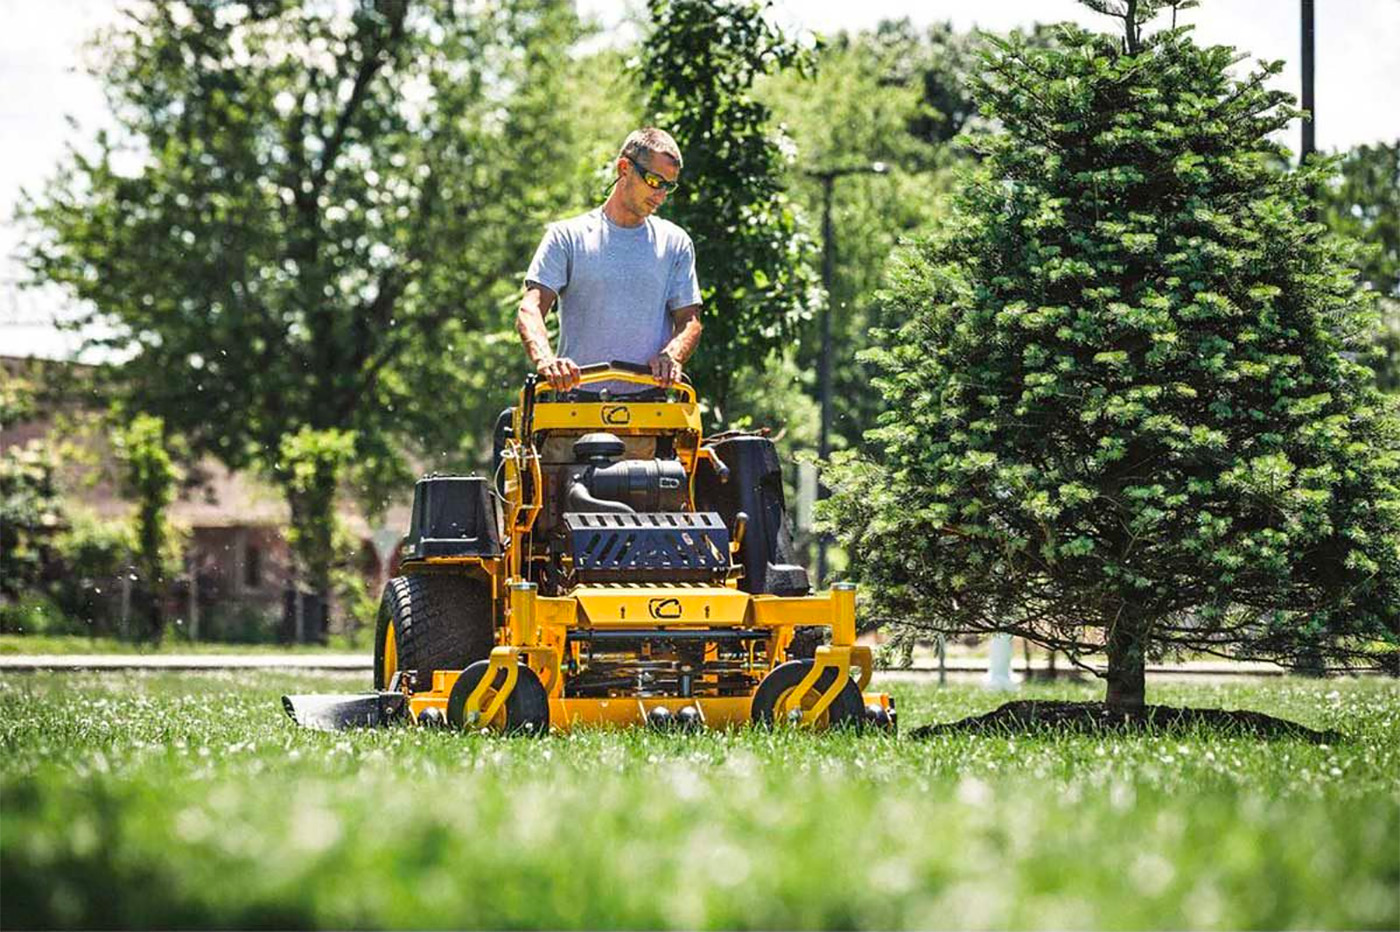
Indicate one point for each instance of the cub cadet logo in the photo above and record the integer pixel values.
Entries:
(616, 414)
(664, 608)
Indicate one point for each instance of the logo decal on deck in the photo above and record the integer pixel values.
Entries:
(664, 608)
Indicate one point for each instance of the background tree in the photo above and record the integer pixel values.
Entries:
(148, 475)
(1363, 202)
(699, 65)
(303, 213)
(1121, 414)
(936, 65)
(30, 506)
(313, 462)
(863, 102)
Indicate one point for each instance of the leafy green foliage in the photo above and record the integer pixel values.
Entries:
(199, 787)
(855, 109)
(305, 211)
(30, 513)
(148, 476)
(1134, 14)
(310, 468)
(17, 401)
(936, 65)
(1363, 202)
(33, 614)
(699, 65)
(1122, 415)
(90, 556)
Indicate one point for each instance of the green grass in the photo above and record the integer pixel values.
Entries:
(140, 800)
(67, 644)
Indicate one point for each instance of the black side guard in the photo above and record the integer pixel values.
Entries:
(333, 712)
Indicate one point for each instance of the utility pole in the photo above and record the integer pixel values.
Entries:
(1309, 102)
(828, 179)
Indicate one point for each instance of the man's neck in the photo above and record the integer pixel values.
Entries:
(619, 213)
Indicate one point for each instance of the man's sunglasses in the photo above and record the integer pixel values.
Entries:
(652, 179)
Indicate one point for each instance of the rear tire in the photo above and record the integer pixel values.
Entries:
(846, 710)
(431, 621)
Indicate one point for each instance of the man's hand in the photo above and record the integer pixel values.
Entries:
(561, 372)
(666, 368)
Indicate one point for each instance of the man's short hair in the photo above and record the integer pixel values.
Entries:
(641, 144)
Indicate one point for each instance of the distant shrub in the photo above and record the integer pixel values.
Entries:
(241, 623)
(35, 614)
(90, 557)
(30, 515)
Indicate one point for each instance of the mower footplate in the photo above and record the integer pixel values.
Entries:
(336, 711)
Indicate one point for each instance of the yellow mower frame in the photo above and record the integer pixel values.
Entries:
(532, 631)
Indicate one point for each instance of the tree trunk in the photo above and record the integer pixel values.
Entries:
(313, 533)
(1127, 661)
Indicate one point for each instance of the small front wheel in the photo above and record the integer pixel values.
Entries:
(526, 709)
(847, 709)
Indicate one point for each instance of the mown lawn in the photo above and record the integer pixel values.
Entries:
(68, 644)
(189, 800)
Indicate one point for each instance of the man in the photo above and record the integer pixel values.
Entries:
(624, 279)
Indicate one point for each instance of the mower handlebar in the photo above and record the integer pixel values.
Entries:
(615, 371)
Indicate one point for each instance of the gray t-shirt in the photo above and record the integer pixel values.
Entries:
(617, 286)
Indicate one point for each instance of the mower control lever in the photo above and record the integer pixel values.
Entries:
(721, 470)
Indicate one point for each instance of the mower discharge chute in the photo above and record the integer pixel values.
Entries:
(623, 570)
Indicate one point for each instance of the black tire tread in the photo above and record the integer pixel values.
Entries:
(442, 622)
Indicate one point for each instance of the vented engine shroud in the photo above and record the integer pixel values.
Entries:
(663, 545)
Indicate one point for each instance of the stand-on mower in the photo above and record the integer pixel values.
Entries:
(619, 570)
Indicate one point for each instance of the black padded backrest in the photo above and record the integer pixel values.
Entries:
(453, 516)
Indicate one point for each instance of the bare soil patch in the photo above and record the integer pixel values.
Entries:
(1032, 715)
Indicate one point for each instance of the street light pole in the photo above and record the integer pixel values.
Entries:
(828, 179)
(824, 362)
(1309, 103)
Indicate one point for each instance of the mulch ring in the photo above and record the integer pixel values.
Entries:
(1037, 715)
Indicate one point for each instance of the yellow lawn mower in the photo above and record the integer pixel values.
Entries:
(620, 569)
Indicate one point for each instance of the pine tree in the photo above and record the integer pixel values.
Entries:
(1122, 410)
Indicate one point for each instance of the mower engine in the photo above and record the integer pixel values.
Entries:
(625, 522)
(597, 484)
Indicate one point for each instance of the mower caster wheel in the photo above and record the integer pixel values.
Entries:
(526, 710)
(846, 710)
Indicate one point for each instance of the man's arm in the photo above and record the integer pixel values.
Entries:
(562, 373)
(685, 327)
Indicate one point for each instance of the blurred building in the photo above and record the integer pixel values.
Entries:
(238, 582)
